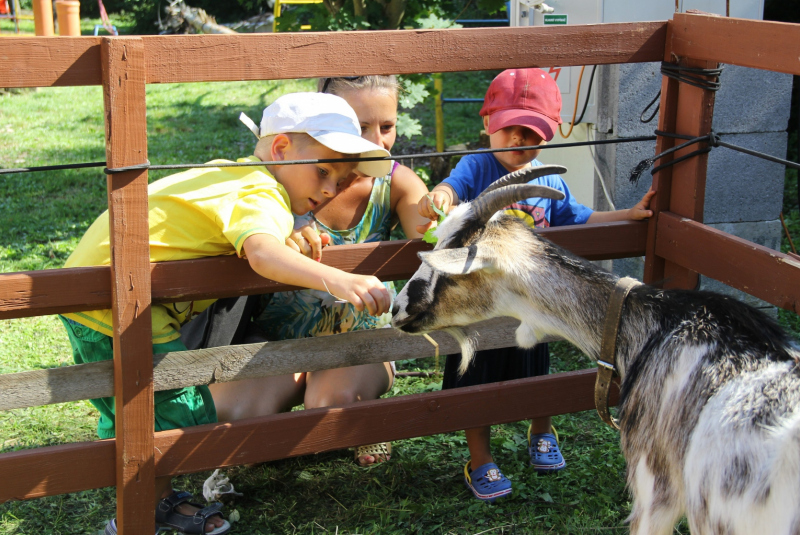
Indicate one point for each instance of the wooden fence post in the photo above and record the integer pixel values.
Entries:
(123, 63)
(687, 110)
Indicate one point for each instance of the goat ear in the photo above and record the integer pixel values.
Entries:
(456, 261)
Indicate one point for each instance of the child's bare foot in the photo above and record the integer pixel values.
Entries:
(373, 453)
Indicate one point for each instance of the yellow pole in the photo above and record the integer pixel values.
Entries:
(437, 86)
(15, 6)
(276, 12)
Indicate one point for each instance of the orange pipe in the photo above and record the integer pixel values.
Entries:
(43, 17)
(69, 17)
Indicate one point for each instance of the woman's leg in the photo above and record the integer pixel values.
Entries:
(262, 396)
(333, 388)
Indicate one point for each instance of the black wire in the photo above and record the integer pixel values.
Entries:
(655, 111)
(688, 75)
(692, 75)
(588, 94)
(379, 158)
(51, 167)
(150, 167)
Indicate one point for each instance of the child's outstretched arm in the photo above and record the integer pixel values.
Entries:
(638, 212)
(442, 196)
(273, 260)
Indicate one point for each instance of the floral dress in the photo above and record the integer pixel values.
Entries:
(306, 313)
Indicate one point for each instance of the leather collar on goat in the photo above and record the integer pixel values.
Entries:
(606, 364)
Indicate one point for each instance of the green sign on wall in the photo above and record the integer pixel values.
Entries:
(555, 19)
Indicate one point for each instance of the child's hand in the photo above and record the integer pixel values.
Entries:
(640, 210)
(362, 291)
(307, 241)
(439, 198)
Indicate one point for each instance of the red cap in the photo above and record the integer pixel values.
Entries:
(523, 97)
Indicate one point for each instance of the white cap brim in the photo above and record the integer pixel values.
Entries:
(351, 144)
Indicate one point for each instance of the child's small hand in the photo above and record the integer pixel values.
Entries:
(640, 210)
(439, 198)
(307, 241)
(363, 292)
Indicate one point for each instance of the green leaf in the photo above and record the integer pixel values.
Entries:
(429, 237)
(413, 93)
(407, 126)
(432, 22)
(439, 212)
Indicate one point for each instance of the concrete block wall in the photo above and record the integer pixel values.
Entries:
(744, 194)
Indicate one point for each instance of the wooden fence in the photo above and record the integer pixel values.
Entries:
(676, 245)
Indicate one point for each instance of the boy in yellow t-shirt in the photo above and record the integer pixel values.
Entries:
(246, 211)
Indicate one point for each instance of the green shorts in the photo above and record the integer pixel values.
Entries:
(183, 407)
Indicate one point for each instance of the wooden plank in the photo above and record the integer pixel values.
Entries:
(234, 363)
(52, 470)
(695, 111)
(757, 270)
(686, 110)
(49, 61)
(662, 181)
(772, 46)
(601, 241)
(61, 469)
(123, 63)
(56, 291)
(195, 58)
(313, 54)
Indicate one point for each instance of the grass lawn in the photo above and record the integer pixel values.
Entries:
(43, 215)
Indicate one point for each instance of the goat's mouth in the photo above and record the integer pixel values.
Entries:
(409, 323)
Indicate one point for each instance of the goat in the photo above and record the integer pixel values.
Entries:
(709, 406)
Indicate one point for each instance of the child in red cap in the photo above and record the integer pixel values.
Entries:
(522, 108)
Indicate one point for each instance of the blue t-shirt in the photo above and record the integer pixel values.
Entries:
(475, 172)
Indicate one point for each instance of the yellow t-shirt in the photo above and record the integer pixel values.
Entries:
(193, 214)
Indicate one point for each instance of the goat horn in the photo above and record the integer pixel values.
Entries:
(485, 207)
(523, 176)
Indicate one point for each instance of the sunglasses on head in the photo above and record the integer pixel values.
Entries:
(328, 81)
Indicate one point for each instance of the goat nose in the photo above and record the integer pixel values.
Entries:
(395, 309)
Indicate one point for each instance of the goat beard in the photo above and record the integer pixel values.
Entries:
(468, 343)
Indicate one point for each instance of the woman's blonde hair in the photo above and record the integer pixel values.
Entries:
(342, 84)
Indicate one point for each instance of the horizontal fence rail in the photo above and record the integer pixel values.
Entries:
(758, 44)
(75, 467)
(57, 291)
(760, 271)
(42, 62)
(234, 363)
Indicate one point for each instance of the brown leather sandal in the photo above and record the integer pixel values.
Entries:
(376, 450)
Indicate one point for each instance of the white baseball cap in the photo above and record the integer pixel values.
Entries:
(328, 119)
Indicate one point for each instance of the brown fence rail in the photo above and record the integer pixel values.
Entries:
(676, 245)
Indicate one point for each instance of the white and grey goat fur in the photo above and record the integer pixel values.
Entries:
(710, 396)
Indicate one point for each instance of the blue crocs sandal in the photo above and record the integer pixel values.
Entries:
(486, 482)
(545, 454)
